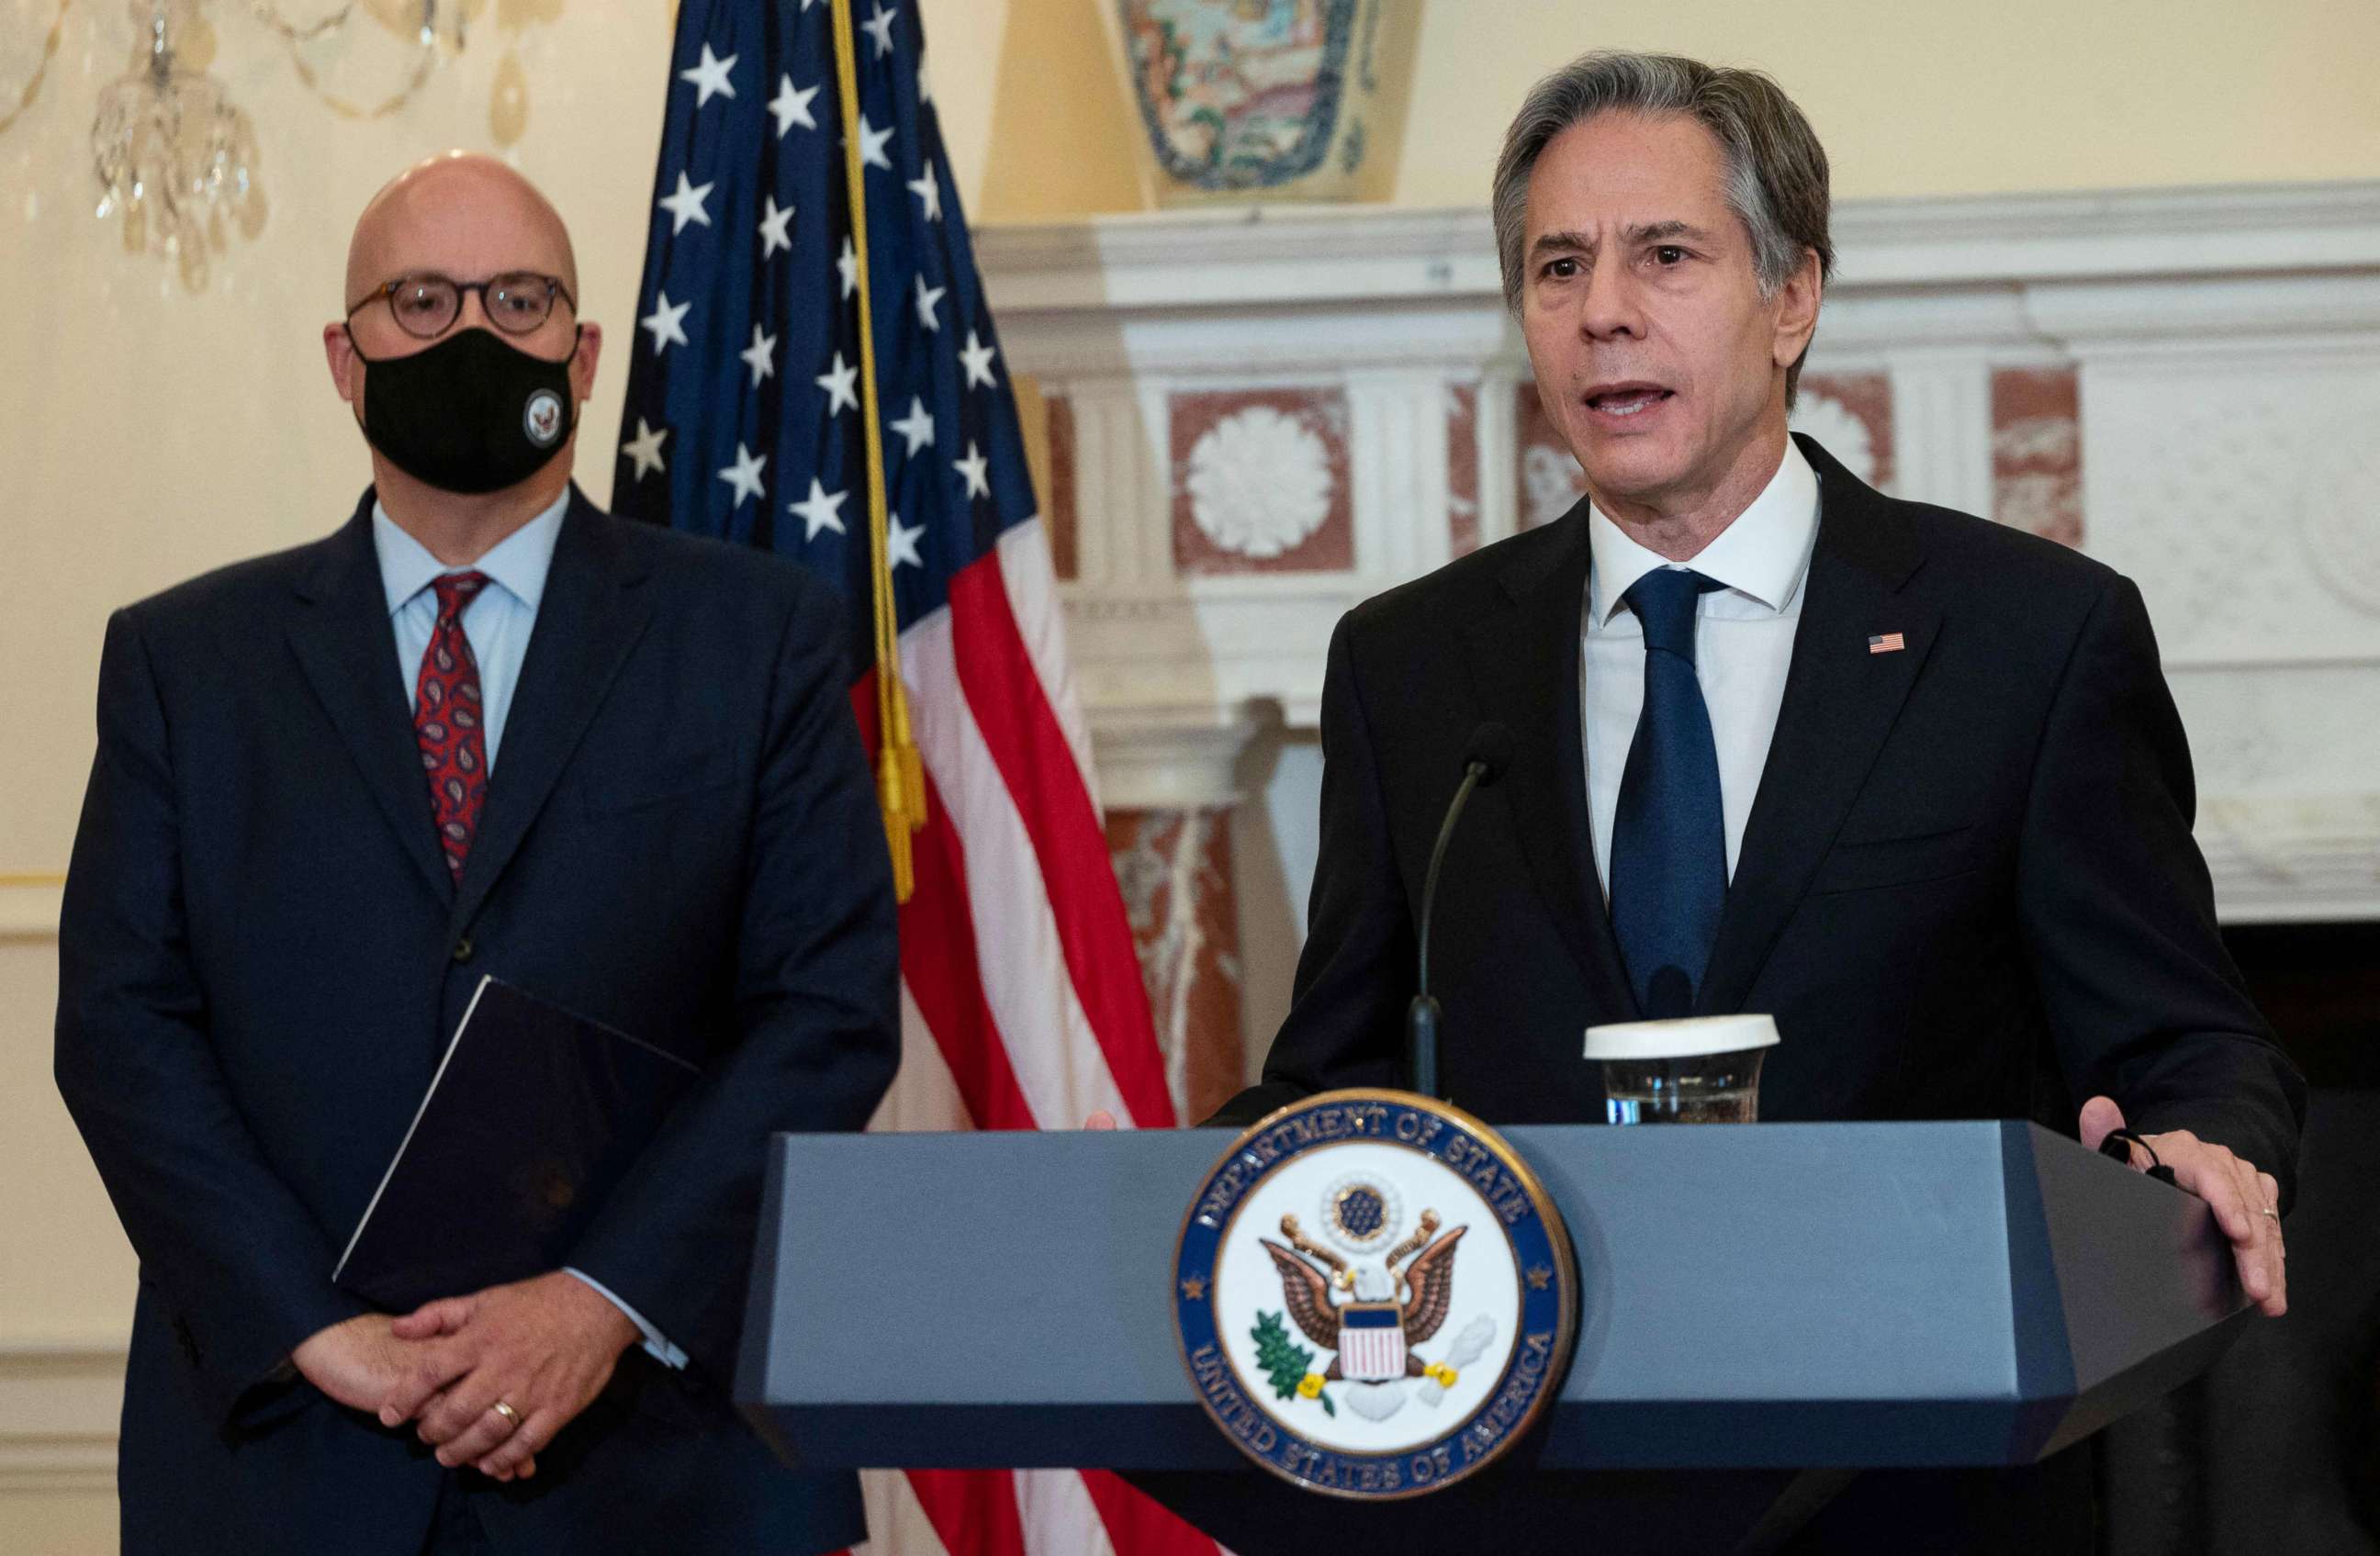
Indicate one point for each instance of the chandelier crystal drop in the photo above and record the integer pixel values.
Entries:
(172, 153)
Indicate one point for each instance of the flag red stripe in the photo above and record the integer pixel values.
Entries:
(1139, 1526)
(1013, 711)
(1031, 575)
(938, 961)
(938, 957)
(974, 1511)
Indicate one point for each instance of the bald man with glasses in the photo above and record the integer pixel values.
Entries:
(483, 728)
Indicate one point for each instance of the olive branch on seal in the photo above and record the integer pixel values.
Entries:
(1284, 1362)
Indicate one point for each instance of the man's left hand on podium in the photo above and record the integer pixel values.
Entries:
(544, 1347)
(2246, 1202)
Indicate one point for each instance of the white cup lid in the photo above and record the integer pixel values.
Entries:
(1689, 1037)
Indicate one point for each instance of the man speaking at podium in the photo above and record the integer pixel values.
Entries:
(482, 729)
(1907, 780)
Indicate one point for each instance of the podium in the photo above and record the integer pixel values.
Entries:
(1772, 1297)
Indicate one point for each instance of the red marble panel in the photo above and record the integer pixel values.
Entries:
(1850, 416)
(1462, 468)
(1175, 867)
(1060, 518)
(1259, 481)
(1546, 480)
(2038, 451)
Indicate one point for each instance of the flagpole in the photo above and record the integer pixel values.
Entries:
(900, 774)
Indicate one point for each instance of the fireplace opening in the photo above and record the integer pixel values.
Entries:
(2319, 984)
(2277, 1448)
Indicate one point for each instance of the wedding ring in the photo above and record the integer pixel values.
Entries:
(507, 1412)
(2271, 1212)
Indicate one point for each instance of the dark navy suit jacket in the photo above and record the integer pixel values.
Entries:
(1967, 889)
(1969, 864)
(262, 955)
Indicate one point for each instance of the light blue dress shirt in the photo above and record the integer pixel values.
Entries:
(497, 622)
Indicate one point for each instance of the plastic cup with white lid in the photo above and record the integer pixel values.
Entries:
(1698, 1069)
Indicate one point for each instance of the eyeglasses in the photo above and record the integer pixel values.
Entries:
(426, 306)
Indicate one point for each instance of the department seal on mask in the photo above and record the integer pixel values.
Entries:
(542, 418)
(1375, 1295)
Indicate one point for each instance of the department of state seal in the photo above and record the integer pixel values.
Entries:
(1375, 1295)
(542, 418)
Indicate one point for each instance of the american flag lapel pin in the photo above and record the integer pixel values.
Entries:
(1887, 643)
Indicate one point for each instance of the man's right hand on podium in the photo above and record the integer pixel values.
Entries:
(2246, 1201)
(1103, 1119)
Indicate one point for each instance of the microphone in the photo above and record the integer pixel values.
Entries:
(1485, 757)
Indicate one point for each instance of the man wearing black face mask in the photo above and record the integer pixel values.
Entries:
(471, 413)
(483, 728)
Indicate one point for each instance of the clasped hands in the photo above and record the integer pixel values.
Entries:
(544, 1347)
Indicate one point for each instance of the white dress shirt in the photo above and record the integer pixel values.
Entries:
(497, 622)
(1743, 641)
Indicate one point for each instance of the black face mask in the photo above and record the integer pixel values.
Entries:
(472, 414)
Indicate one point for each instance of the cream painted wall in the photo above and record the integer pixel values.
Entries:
(1937, 99)
(1911, 99)
(147, 433)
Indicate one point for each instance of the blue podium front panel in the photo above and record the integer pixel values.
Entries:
(1760, 1296)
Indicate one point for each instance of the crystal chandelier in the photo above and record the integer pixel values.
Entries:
(172, 153)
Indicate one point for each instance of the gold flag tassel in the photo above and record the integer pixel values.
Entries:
(900, 774)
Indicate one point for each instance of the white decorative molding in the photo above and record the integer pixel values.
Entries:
(1227, 257)
(1832, 423)
(29, 905)
(1177, 758)
(2240, 489)
(1942, 428)
(2301, 859)
(1260, 483)
(1231, 258)
(2222, 347)
(1498, 501)
(2196, 233)
(59, 1405)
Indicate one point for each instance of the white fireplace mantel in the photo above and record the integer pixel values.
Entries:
(1234, 260)
(1262, 416)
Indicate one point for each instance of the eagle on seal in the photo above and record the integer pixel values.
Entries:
(1429, 1282)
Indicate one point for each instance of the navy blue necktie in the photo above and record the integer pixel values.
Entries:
(1669, 838)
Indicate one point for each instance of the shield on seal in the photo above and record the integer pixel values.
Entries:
(1372, 1341)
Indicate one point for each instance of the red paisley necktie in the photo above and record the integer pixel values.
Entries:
(446, 713)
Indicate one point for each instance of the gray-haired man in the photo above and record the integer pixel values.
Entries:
(1910, 781)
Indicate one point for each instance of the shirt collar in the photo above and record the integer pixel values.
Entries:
(1762, 556)
(518, 564)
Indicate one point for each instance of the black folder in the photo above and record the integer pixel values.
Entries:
(532, 1120)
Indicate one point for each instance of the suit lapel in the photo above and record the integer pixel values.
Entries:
(345, 643)
(1524, 664)
(588, 620)
(1839, 703)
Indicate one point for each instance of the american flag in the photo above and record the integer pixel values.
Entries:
(1021, 1005)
